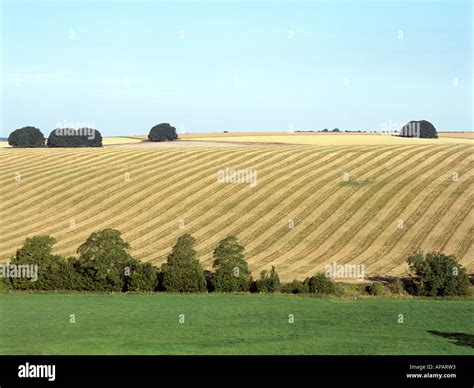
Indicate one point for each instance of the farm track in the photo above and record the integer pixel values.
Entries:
(333, 222)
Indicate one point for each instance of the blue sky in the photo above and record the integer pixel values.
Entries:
(210, 66)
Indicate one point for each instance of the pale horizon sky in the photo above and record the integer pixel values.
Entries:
(210, 66)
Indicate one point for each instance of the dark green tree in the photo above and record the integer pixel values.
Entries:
(95, 140)
(182, 272)
(437, 274)
(68, 137)
(26, 137)
(104, 260)
(53, 272)
(232, 272)
(143, 277)
(162, 132)
(421, 128)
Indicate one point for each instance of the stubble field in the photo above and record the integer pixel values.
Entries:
(313, 204)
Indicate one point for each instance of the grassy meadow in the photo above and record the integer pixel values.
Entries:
(231, 325)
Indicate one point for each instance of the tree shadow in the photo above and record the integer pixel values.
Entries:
(460, 339)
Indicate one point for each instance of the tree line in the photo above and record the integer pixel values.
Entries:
(32, 137)
(104, 264)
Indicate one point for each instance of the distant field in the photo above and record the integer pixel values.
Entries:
(231, 324)
(460, 135)
(120, 140)
(107, 140)
(348, 222)
(328, 138)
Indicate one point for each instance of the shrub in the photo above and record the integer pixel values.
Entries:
(5, 285)
(162, 132)
(375, 289)
(103, 258)
(437, 274)
(68, 137)
(143, 277)
(54, 272)
(396, 286)
(295, 287)
(182, 272)
(269, 282)
(232, 272)
(320, 284)
(26, 137)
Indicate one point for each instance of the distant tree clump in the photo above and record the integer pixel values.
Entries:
(162, 132)
(182, 272)
(437, 274)
(336, 130)
(325, 130)
(26, 137)
(422, 129)
(94, 140)
(69, 137)
(269, 281)
(232, 272)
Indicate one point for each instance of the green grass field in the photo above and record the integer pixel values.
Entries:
(231, 324)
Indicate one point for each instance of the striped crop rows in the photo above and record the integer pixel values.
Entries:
(300, 216)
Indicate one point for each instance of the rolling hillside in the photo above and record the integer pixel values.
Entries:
(70, 193)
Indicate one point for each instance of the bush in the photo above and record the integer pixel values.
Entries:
(162, 132)
(269, 282)
(396, 286)
(232, 272)
(26, 137)
(375, 289)
(103, 259)
(68, 137)
(295, 287)
(5, 285)
(54, 272)
(182, 272)
(143, 277)
(437, 274)
(320, 284)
